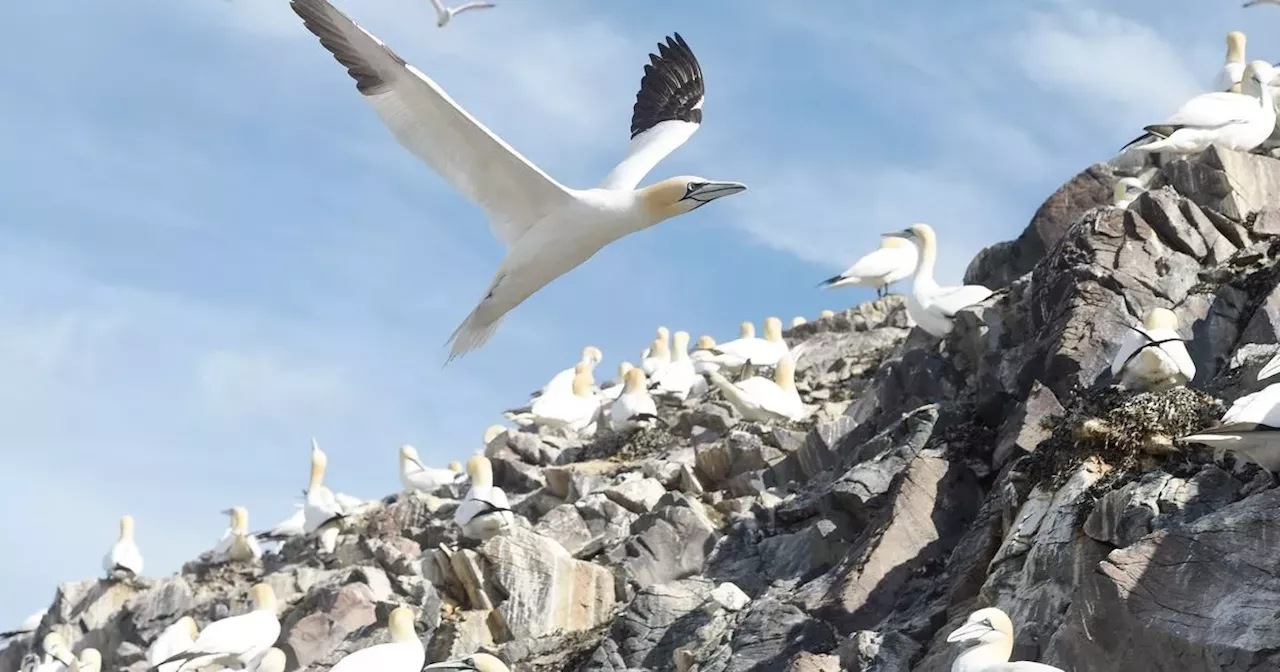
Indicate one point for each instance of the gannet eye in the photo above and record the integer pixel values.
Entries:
(694, 186)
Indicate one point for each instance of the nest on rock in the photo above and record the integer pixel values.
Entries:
(1126, 430)
(628, 445)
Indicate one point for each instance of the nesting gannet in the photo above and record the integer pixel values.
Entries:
(29, 625)
(404, 653)
(322, 509)
(634, 407)
(895, 260)
(1239, 121)
(704, 355)
(549, 229)
(1251, 427)
(272, 661)
(1232, 71)
(1153, 357)
(1126, 191)
(237, 544)
(561, 382)
(417, 477)
(764, 400)
(577, 410)
(236, 640)
(484, 510)
(445, 14)
(663, 334)
(657, 355)
(124, 560)
(90, 660)
(932, 307)
(175, 639)
(610, 393)
(293, 526)
(477, 662)
(679, 375)
(992, 631)
(759, 351)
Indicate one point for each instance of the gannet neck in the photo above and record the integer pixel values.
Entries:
(633, 381)
(318, 463)
(126, 527)
(680, 346)
(408, 454)
(746, 330)
(664, 334)
(773, 330)
(983, 656)
(239, 520)
(400, 624)
(895, 243)
(190, 623)
(582, 382)
(991, 632)
(677, 195)
(660, 349)
(1235, 47)
(1160, 318)
(784, 374)
(492, 433)
(481, 472)
(264, 598)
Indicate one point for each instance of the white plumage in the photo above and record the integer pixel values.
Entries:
(476, 662)
(29, 625)
(1153, 357)
(484, 511)
(417, 477)
(931, 306)
(1250, 428)
(445, 14)
(1232, 71)
(124, 560)
(1239, 121)
(235, 641)
(175, 639)
(563, 381)
(293, 526)
(991, 632)
(577, 410)
(763, 400)
(237, 544)
(677, 378)
(404, 653)
(631, 407)
(549, 229)
(704, 356)
(759, 351)
(895, 260)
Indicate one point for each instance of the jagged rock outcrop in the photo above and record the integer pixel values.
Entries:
(997, 467)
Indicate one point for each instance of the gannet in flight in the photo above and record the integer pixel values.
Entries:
(1239, 121)
(1232, 71)
(417, 477)
(1251, 428)
(992, 632)
(29, 625)
(634, 406)
(932, 307)
(895, 260)
(235, 641)
(237, 544)
(175, 639)
(484, 511)
(404, 653)
(1155, 356)
(549, 229)
(1251, 3)
(124, 560)
(763, 400)
(445, 14)
(476, 662)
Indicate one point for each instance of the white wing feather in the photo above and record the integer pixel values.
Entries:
(646, 150)
(951, 300)
(1211, 110)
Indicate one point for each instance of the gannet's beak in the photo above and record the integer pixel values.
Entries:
(905, 234)
(419, 463)
(448, 665)
(710, 191)
(225, 512)
(968, 631)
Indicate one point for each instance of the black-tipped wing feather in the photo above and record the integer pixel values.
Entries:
(671, 88)
(318, 17)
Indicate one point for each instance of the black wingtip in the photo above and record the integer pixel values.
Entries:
(671, 88)
(830, 281)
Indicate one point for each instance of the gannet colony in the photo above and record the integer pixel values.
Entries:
(1065, 464)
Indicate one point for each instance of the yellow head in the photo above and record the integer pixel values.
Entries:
(664, 333)
(582, 380)
(1235, 47)
(1125, 190)
(678, 195)
(263, 597)
(1160, 318)
(1260, 71)
(797, 321)
(784, 374)
(272, 661)
(705, 343)
(189, 623)
(895, 243)
(986, 626)
(592, 355)
(920, 234)
(746, 330)
(773, 330)
(495, 431)
(409, 454)
(623, 368)
(318, 463)
(400, 623)
(633, 381)
(826, 313)
(126, 527)
(660, 348)
(481, 472)
(455, 466)
(680, 345)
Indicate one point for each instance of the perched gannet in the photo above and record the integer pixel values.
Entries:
(237, 544)
(1153, 357)
(663, 334)
(657, 355)
(1232, 71)
(175, 639)
(57, 654)
(456, 466)
(826, 313)
(679, 375)
(417, 477)
(577, 410)
(90, 660)
(610, 393)
(478, 662)
(1239, 121)
(272, 661)
(561, 382)
(1251, 428)
(124, 560)
(634, 407)
(29, 625)
(236, 640)
(746, 330)
(549, 229)
(763, 400)
(1126, 191)
(704, 355)
(322, 509)
(404, 653)
(759, 351)
(992, 631)
(797, 321)
(895, 260)
(445, 14)
(484, 510)
(933, 307)
(293, 526)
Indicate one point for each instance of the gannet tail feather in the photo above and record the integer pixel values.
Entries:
(471, 334)
(831, 281)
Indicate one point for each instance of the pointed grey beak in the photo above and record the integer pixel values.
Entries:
(448, 665)
(897, 234)
(225, 512)
(967, 631)
(712, 190)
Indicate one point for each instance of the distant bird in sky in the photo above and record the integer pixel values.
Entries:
(1260, 2)
(445, 14)
(549, 229)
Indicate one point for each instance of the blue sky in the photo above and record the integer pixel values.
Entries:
(212, 250)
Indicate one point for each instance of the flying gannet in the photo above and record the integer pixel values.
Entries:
(1239, 121)
(29, 625)
(549, 229)
(175, 639)
(484, 511)
(992, 633)
(634, 407)
(445, 14)
(90, 660)
(1232, 71)
(677, 378)
(763, 400)
(476, 662)
(1250, 428)
(759, 351)
(124, 560)
(1126, 191)
(561, 382)
(1153, 357)
(235, 641)
(322, 513)
(932, 307)
(404, 653)
(417, 477)
(237, 544)
(578, 410)
(895, 260)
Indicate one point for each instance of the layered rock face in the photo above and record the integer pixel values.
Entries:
(993, 468)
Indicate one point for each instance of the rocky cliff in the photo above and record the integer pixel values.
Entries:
(996, 467)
